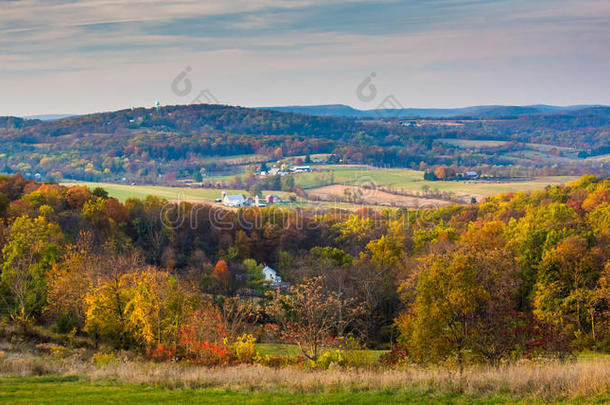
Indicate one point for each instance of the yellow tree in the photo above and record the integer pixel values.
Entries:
(105, 311)
(69, 282)
(157, 307)
(441, 320)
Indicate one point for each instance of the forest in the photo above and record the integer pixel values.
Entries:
(519, 275)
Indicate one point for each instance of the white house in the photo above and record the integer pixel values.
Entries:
(271, 275)
(259, 202)
(301, 169)
(233, 200)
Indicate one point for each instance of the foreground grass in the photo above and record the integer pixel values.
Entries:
(28, 376)
(59, 390)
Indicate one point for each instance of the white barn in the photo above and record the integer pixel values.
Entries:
(233, 200)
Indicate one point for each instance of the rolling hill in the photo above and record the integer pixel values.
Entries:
(144, 144)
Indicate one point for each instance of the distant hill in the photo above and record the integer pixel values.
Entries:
(141, 144)
(483, 111)
(48, 117)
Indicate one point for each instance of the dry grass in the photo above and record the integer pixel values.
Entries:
(583, 378)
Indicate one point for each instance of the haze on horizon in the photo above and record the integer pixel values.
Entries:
(86, 56)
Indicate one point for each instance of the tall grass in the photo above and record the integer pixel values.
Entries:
(582, 378)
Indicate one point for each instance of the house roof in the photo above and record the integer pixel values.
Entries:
(267, 268)
(234, 197)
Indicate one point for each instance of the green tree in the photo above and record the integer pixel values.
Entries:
(256, 190)
(567, 278)
(33, 246)
(287, 183)
(100, 192)
(254, 273)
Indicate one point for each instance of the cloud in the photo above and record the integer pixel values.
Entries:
(318, 42)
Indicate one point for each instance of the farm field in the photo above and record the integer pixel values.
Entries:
(372, 196)
(238, 159)
(413, 181)
(197, 195)
(125, 191)
(398, 179)
(469, 143)
(483, 143)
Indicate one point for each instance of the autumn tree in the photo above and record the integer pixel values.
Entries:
(568, 276)
(440, 322)
(444, 173)
(144, 307)
(157, 307)
(33, 246)
(310, 315)
(105, 311)
(222, 276)
(69, 281)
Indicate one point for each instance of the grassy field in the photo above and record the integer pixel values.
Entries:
(580, 382)
(61, 390)
(125, 191)
(28, 376)
(472, 144)
(483, 143)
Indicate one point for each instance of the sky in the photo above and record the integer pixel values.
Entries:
(75, 57)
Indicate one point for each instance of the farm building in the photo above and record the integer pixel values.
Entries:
(233, 200)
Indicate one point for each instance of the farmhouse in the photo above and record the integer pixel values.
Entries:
(301, 169)
(271, 275)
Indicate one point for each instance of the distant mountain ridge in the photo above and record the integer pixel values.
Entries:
(483, 111)
(48, 117)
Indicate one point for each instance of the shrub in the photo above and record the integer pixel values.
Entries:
(103, 359)
(243, 349)
(334, 356)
